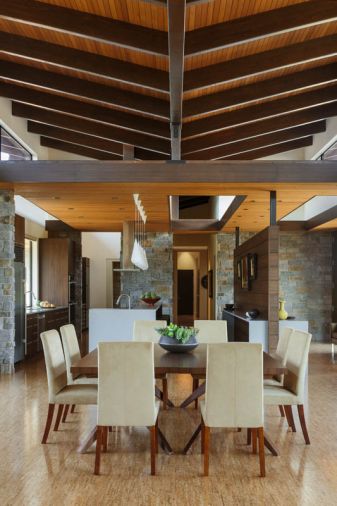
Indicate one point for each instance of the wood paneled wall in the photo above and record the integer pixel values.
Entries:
(264, 291)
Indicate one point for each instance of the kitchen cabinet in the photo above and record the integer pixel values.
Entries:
(40, 321)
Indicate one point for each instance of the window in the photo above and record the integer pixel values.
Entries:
(31, 272)
(11, 149)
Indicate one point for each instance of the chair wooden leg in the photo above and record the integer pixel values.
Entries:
(110, 428)
(300, 409)
(260, 432)
(202, 436)
(165, 393)
(254, 440)
(154, 439)
(51, 408)
(58, 417)
(289, 414)
(65, 412)
(249, 437)
(105, 439)
(99, 437)
(281, 411)
(73, 408)
(195, 386)
(333, 352)
(157, 438)
(207, 436)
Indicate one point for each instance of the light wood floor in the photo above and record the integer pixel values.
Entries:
(55, 474)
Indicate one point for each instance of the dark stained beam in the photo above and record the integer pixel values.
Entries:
(90, 26)
(83, 61)
(77, 149)
(90, 127)
(261, 111)
(254, 64)
(273, 150)
(176, 37)
(263, 89)
(320, 219)
(23, 74)
(264, 24)
(258, 142)
(260, 128)
(200, 225)
(234, 206)
(83, 109)
(272, 208)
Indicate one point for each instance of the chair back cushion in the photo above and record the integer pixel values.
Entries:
(297, 362)
(55, 363)
(70, 347)
(234, 385)
(211, 331)
(145, 330)
(282, 348)
(126, 385)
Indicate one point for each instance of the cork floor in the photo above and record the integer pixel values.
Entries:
(55, 474)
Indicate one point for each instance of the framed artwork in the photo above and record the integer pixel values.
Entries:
(238, 269)
(210, 283)
(252, 261)
(245, 273)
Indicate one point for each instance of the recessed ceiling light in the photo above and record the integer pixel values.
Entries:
(56, 198)
(70, 208)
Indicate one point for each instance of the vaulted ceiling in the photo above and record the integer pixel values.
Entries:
(194, 79)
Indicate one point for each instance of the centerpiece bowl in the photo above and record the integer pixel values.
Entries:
(150, 301)
(178, 339)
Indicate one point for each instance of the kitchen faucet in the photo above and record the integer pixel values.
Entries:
(124, 295)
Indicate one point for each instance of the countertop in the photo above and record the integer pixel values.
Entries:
(242, 316)
(38, 310)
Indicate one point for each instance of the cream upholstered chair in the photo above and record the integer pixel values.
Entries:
(59, 391)
(292, 391)
(72, 355)
(126, 392)
(210, 332)
(145, 331)
(234, 393)
(333, 336)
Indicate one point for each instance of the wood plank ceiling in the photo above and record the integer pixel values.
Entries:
(195, 79)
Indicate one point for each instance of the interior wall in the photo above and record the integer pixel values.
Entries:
(190, 260)
(98, 246)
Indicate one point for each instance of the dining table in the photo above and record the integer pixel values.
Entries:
(165, 362)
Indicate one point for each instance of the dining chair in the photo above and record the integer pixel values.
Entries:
(126, 392)
(292, 392)
(333, 336)
(59, 392)
(145, 331)
(72, 355)
(210, 331)
(234, 394)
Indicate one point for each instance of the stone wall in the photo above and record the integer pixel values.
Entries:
(159, 276)
(7, 282)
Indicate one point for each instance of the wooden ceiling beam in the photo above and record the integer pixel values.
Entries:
(257, 26)
(320, 219)
(176, 10)
(84, 89)
(90, 127)
(254, 64)
(245, 115)
(83, 61)
(262, 90)
(77, 149)
(83, 24)
(83, 109)
(259, 128)
(231, 210)
(258, 142)
(272, 150)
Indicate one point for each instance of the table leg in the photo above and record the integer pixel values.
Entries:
(89, 441)
(193, 438)
(194, 395)
(159, 395)
(268, 444)
(165, 445)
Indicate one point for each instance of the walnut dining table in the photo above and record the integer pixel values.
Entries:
(176, 363)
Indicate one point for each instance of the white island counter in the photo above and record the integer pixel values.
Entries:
(112, 324)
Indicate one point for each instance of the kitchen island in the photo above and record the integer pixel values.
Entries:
(112, 324)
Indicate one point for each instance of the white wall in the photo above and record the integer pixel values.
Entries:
(98, 246)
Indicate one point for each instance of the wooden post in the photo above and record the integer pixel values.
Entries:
(273, 208)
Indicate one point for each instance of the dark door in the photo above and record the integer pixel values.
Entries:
(185, 292)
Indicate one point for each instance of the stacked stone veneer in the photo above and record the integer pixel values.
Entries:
(159, 276)
(7, 282)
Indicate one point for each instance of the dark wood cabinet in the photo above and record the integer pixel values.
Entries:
(39, 322)
(85, 292)
(32, 335)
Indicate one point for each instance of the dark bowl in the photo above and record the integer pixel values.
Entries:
(149, 301)
(174, 346)
(230, 307)
(253, 313)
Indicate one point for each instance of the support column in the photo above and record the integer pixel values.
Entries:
(7, 282)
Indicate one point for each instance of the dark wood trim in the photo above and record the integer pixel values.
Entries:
(252, 112)
(237, 237)
(238, 68)
(274, 149)
(90, 26)
(268, 88)
(52, 81)
(83, 61)
(77, 149)
(258, 142)
(176, 10)
(234, 206)
(263, 24)
(272, 207)
(259, 128)
(196, 225)
(324, 217)
(90, 127)
(291, 226)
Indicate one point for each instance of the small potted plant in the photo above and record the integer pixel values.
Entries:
(150, 298)
(178, 339)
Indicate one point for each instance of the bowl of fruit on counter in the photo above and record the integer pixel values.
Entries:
(150, 298)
